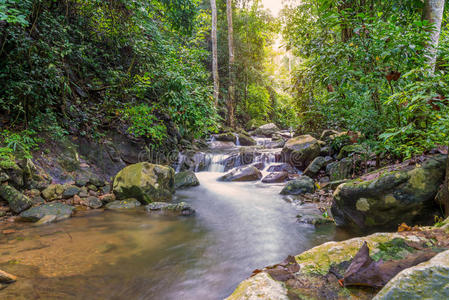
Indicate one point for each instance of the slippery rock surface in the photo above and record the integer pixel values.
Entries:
(186, 179)
(301, 151)
(145, 182)
(275, 177)
(18, 202)
(326, 271)
(428, 280)
(123, 204)
(315, 166)
(60, 210)
(248, 173)
(390, 196)
(177, 209)
(299, 186)
(267, 130)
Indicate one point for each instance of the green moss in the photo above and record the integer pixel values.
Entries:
(392, 250)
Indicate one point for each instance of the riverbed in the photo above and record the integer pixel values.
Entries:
(238, 227)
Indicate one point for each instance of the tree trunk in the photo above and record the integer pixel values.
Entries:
(433, 12)
(215, 51)
(231, 90)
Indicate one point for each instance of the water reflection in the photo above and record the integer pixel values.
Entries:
(130, 255)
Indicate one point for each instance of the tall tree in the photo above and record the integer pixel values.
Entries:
(231, 88)
(433, 12)
(213, 6)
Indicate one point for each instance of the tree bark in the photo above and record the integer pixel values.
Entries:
(231, 89)
(433, 12)
(213, 6)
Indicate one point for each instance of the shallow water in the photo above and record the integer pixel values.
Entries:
(238, 227)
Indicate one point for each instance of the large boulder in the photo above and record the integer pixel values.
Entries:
(267, 130)
(315, 166)
(18, 202)
(246, 140)
(275, 177)
(248, 173)
(186, 179)
(282, 167)
(60, 210)
(341, 169)
(320, 272)
(299, 186)
(123, 204)
(390, 196)
(145, 182)
(301, 151)
(53, 192)
(175, 209)
(428, 280)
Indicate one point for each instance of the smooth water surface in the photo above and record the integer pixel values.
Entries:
(238, 227)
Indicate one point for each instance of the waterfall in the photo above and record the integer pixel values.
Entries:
(181, 159)
(237, 140)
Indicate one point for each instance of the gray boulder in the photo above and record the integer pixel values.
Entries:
(299, 186)
(267, 130)
(301, 151)
(248, 173)
(123, 204)
(275, 177)
(60, 210)
(186, 179)
(341, 169)
(390, 196)
(315, 166)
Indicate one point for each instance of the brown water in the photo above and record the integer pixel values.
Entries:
(133, 255)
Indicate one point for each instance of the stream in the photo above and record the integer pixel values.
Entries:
(238, 227)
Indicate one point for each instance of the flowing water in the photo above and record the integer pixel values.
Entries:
(238, 227)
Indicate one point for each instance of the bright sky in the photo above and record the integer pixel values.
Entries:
(274, 5)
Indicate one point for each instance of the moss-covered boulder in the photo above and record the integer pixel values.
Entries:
(53, 192)
(60, 210)
(266, 130)
(301, 151)
(248, 173)
(18, 202)
(145, 182)
(320, 273)
(186, 179)
(225, 137)
(390, 196)
(428, 280)
(299, 186)
(123, 204)
(246, 140)
(315, 166)
(341, 169)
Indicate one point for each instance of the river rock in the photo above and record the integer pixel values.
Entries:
(70, 191)
(145, 182)
(106, 198)
(92, 202)
(275, 177)
(225, 137)
(350, 150)
(315, 166)
(428, 280)
(46, 220)
(301, 151)
(217, 145)
(246, 140)
(266, 130)
(60, 210)
(18, 202)
(186, 179)
(248, 173)
(53, 192)
(390, 196)
(177, 209)
(299, 186)
(318, 269)
(310, 214)
(123, 204)
(282, 168)
(341, 169)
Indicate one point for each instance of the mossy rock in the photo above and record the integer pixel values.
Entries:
(60, 210)
(186, 179)
(18, 202)
(301, 151)
(390, 196)
(123, 204)
(54, 192)
(299, 186)
(145, 182)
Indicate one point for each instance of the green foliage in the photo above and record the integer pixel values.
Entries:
(78, 62)
(257, 103)
(16, 145)
(144, 123)
(363, 67)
